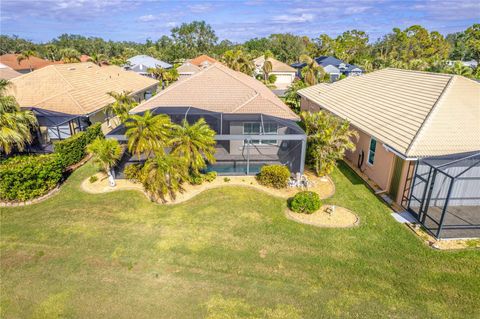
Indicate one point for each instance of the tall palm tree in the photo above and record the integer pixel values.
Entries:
(239, 61)
(15, 124)
(291, 97)
(147, 133)
(267, 68)
(26, 55)
(98, 58)
(329, 137)
(312, 73)
(163, 175)
(106, 153)
(158, 73)
(70, 55)
(124, 102)
(194, 143)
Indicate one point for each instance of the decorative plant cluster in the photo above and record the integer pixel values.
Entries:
(73, 149)
(305, 202)
(275, 176)
(25, 177)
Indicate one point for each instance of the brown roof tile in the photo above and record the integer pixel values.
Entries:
(36, 63)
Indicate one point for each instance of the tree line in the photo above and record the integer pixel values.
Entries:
(413, 48)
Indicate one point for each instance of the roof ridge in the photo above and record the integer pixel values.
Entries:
(429, 115)
(246, 102)
(417, 71)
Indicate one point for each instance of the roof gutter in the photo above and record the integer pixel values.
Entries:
(402, 156)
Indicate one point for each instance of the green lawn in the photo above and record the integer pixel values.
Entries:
(229, 251)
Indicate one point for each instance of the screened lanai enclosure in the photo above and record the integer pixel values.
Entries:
(245, 142)
(445, 195)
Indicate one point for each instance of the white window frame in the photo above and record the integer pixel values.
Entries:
(262, 142)
(370, 151)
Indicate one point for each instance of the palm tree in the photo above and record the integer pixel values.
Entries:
(106, 153)
(238, 61)
(70, 55)
(98, 58)
(158, 73)
(291, 97)
(26, 55)
(194, 143)
(267, 68)
(124, 102)
(312, 73)
(460, 69)
(15, 124)
(147, 133)
(328, 138)
(162, 175)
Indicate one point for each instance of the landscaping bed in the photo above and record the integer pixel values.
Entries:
(326, 216)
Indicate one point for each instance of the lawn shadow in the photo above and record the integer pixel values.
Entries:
(349, 173)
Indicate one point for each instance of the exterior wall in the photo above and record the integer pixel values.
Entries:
(237, 147)
(282, 76)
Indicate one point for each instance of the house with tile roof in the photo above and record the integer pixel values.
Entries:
(27, 65)
(141, 63)
(406, 119)
(254, 127)
(333, 66)
(284, 73)
(7, 73)
(203, 61)
(187, 69)
(67, 98)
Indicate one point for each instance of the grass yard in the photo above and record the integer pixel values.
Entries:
(228, 251)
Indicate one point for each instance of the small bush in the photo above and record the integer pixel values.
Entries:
(226, 179)
(72, 150)
(305, 202)
(275, 176)
(93, 179)
(272, 78)
(210, 176)
(195, 179)
(26, 177)
(132, 172)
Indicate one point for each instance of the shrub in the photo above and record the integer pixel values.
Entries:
(226, 179)
(93, 179)
(210, 176)
(305, 202)
(272, 78)
(275, 176)
(72, 150)
(26, 177)
(132, 172)
(196, 179)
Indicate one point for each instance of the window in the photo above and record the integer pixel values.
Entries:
(255, 128)
(371, 151)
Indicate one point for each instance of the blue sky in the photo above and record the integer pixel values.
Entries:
(137, 20)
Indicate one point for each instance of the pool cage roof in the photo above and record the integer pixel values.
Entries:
(445, 195)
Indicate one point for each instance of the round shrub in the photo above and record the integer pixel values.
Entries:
(275, 176)
(305, 202)
(26, 177)
(132, 172)
(210, 176)
(272, 78)
(195, 179)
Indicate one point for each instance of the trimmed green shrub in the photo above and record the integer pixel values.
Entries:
(72, 150)
(272, 78)
(275, 176)
(305, 202)
(195, 179)
(93, 179)
(210, 176)
(226, 179)
(26, 177)
(132, 172)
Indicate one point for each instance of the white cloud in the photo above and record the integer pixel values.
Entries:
(285, 18)
(356, 9)
(147, 18)
(200, 7)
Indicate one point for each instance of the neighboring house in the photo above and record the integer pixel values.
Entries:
(411, 125)
(35, 63)
(187, 69)
(333, 66)
(141, 63)
(253, 126)
(203, 61)
(472, 63)
(7, 73)
(285, 73)
(67, 98)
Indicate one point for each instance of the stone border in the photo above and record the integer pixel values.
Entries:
(290, 216)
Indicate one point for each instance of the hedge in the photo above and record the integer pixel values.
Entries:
(72, 150)
(274, 176)
(305, 202)
(26, 177)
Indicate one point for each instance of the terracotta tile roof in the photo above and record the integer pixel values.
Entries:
(76, 88)
(188, 68)
(203, 60)
(37, 63)
(416, 113)
(277, 66)
(220, 89)
(7, 73)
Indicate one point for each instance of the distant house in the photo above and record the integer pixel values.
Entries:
(24, 66)
(472, 63)
(187, 69)
(419, 141)
(253, 126)
(333, 66)
(141, 63)
(67, 98)
(285, 73)
(203, 61)
(7, 73)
